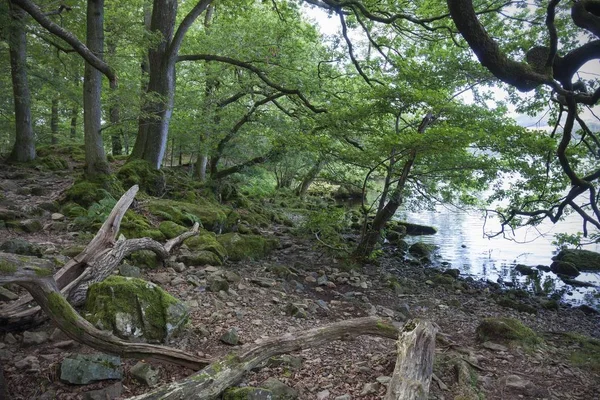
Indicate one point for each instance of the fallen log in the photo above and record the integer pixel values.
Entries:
(212, 381)
(95, 263)
(35, 275)
(414, 365)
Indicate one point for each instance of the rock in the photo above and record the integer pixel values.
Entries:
(384, 380)
(517, 384)
(421, 249)
(202, 257)
(57, 335)
(453, 272)
(230, 337)
(216, 284)
(322, 280)
(494, 346)
(207, 242)
(232, 277)
(6, 355)
(57, 217)
(577, 283)
(416, 229)
(296, 311)
(130, 271)
(21, 246)
(583, 260)
(171, 229)
(31, 338)
(506, 330)
(279, 389)
(564, 268)
(344, 397)
(310, 279)
(65, 344)
(178, 266)
(246, 247)
(135, 309)
(264, 282)
(202, 330)
(544, 268)
(7, 295)
(322, 304)
(323, 395)
(9, 338)
(588, 310)
(31, 225)
(162, 278)
(370, 388)
(83, 369)
(144, 373)
(29, 363)
(110, 392)
(525, 270)
(248, 393)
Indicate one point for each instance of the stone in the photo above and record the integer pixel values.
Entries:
(583, 260)
(144, 373)
(57, 335)
(564, 268)
(248, 393)
(286, 359)
(279, 389)
(83, 369)
(322, 280)
(370, 388)
(453, 272)
(525, 270)
(31, 225)
(57, 217)
(65, 344)
(9, 338)
(494, 346)
(113, 391)
(31, 338)
(130, 271)
(506, 330)
(246, 247)
(344, 397)
(296, 311)
(29, 363)
(6, 355)
(322, 304)
(264, 282)
(421, 249)
(7, 295)
(416, 229)
(517, 384)
(216, 284)
(310, 279)
(230, 337)
(178, 266)
(202, 257)
(21, 246)
(323, 395)
(384, 380)
(135, 309)
(232, 277)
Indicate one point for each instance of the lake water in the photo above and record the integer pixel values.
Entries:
(462, 243)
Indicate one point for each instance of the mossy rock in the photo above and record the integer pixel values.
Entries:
(53, 163)
(22, 247)
(246, 247)
(85, 193)
(144, 259)
(73, 210)
(135, 309)
(584, 260)
(247, 393)
(75, 151)
(207, 242)
(134, 225)
(202, 257)
(421, 249)
(212, 216)
(444, 279)
(140, 172)
(506, 330)
(171, 229)
(516, 305)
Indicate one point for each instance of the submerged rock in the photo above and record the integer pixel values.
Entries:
(564, 268)
(135, 309)
(417, 230)
(583, 260)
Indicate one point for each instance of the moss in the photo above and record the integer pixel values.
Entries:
(506, 330)
(72, 251)
(140, 172)
(246, 247)
(7, 267)
(200, 258)
(171, 229)
(85, 193)
(144, 259)
(42, 272)
(209, 214)
(443, 279)
(74, 151)
(61, 308)
(133, 225)
(153, 234)
(584, 260)
(516, 305)
(390, 329)
(587, 352)
(73, 210)
(247, 393)
(207, 242)
(131, 296)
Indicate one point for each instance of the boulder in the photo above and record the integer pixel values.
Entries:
(421, 249)
(135, 309)
(248, 393)
(506, 330)
(211, 215)
(583, 260)
(144, 373)
(280, 390)
(417, 230)
(22, 247)
(83, 369)
(110, 392)
(525, 270)
(31, 338)
(207, 242)
(171, 229)
(231, 337)
(564, 268)
(201, 258)
(246, 247)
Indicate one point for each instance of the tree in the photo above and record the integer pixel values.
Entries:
(24, 146)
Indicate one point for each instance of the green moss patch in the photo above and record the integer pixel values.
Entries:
(171, 229)
(246, 247)
(506, 330)
(212, 216)
(207, 242)
(583, 260)
(586, 351)
(135, 309)
(140, 172)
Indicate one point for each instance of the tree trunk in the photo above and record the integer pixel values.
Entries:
(201, 166)
(74, 116)
(95, 157)
(414, 365)
(24, 146)
(114, 110)
(54, 122)
(309, 178)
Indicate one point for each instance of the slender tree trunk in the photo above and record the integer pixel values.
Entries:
(24, 146)
(54, 122)
(74, 116)
(114, 111)
(95, 157)
(309, 178)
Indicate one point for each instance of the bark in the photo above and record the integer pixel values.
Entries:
(24, 146)
(74, 116)
(210, 382)
(414, 365)
(114, 110)
(95, 157)
(96, 262)
(54, 121)
(35, 275)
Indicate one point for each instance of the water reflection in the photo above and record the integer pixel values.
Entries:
(462, 242)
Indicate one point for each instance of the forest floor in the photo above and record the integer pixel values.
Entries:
(564, 366)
